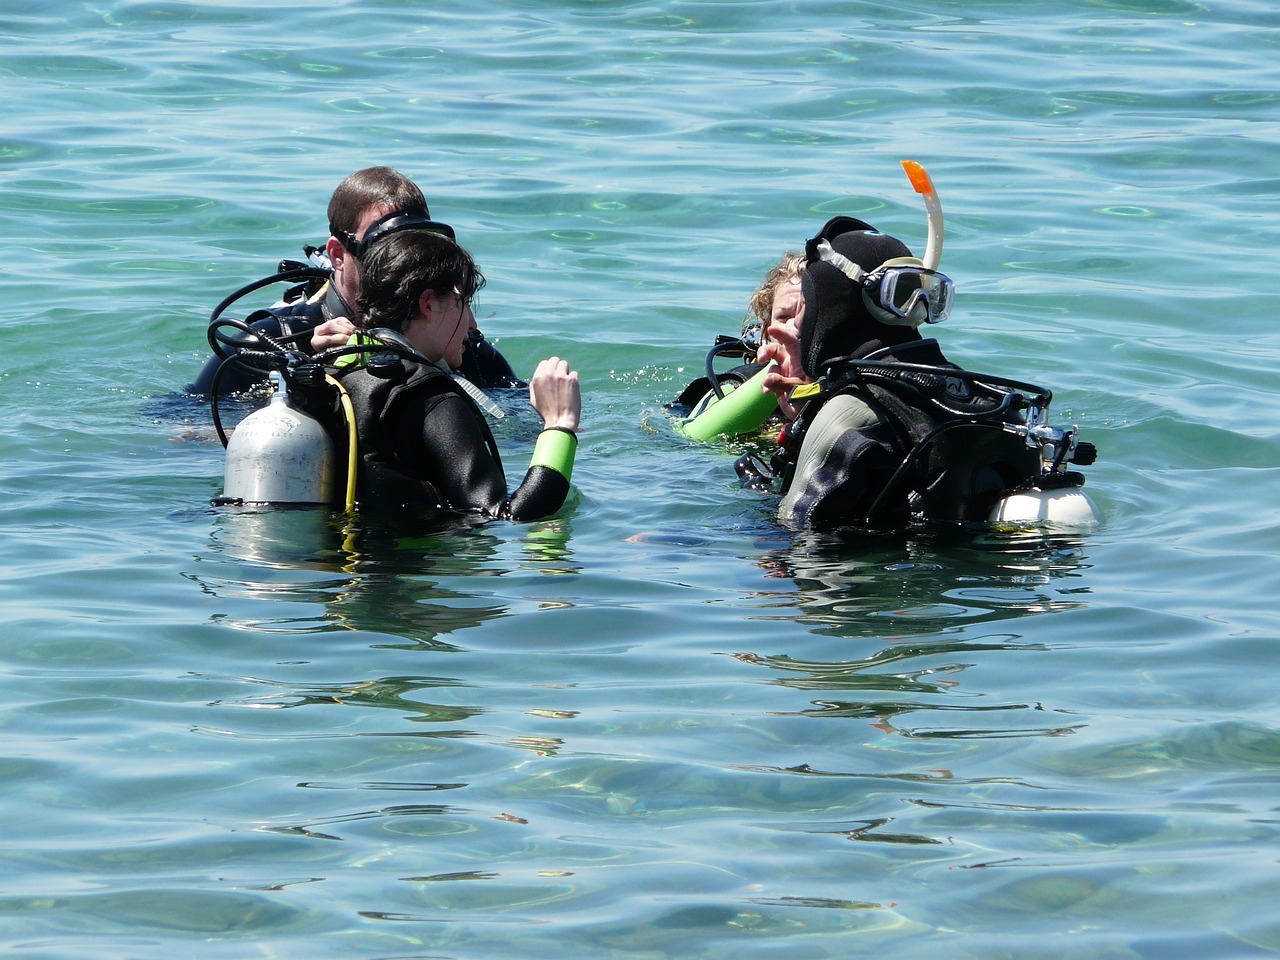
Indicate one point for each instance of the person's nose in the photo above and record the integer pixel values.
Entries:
(781, 329)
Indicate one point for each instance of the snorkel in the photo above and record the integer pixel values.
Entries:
(923, 185)
(898, 289)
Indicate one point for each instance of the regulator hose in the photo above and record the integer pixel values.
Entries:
(733, 346)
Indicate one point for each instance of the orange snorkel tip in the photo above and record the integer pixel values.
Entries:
(918, 176)
(923, 185)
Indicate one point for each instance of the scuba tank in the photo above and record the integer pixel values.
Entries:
(279, 455)
(1053, 497)
(1066, 508)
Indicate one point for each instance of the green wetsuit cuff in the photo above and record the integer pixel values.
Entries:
(555, 450)
(739, 411)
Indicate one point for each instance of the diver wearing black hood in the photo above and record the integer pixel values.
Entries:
(875, 444)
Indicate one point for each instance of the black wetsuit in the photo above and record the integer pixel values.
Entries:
(426, 446)
(482, 363)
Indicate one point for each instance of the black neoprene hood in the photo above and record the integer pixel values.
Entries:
(836, 320)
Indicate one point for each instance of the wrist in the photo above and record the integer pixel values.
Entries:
(561, 423)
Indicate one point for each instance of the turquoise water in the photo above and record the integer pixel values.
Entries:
(657, 725)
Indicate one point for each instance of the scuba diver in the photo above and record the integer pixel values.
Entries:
(366, 207)
(880, 429)
(706, 411)
(417, 441)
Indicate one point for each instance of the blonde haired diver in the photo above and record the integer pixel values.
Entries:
(882, 431)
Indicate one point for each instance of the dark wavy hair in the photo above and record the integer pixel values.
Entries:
(369, 187)
(396, 272)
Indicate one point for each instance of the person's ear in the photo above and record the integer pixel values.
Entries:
(336, 252)
(424, 304)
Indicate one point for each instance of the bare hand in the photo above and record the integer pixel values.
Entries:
(555, 394)
(776, 380)
(783, 344)
(332, 333)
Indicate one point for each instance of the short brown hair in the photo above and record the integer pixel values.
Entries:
(369, 187)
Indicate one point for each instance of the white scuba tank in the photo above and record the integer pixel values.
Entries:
(279, 455)
(1065, 508)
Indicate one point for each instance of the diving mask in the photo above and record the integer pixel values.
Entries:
(393, 223)
(901, 292)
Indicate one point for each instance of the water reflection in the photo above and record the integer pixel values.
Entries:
(388, 693)
(924, 584)
(404, 706)
(368, 574)
(929, 606)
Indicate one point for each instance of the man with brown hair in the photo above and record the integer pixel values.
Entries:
(365, 208)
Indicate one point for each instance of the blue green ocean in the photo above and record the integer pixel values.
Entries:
(657, 725)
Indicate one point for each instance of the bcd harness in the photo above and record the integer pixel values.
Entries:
(956, 441)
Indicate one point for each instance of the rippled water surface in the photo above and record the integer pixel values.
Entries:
(656, 725)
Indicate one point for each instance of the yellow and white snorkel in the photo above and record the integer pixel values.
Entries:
(904, 291)
(933, 206)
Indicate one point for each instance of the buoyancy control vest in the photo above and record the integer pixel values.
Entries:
(377, 389)
(935, 443)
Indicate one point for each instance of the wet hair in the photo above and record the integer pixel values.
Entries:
(401, 267)
(372, 186)
(789, 267)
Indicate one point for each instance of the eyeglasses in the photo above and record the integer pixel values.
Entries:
(900, 290)
(392, 223)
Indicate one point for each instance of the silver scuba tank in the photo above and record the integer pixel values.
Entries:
(1060, 506)
(279, 455)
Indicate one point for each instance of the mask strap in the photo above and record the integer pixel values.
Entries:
(827, 254)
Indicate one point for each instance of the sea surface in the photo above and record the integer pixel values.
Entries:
(657, 725)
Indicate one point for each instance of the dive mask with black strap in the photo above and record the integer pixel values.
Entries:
(392, 223)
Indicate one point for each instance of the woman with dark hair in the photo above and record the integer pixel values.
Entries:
(423, 441)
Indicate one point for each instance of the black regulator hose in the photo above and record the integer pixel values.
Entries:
(255, 351)
(734, 346)
(284, 276)
(1040, 396)
(248, 339)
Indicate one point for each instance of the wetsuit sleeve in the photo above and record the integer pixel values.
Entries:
(444, 438)
(546, 484)
(740, 411)
(845, 461)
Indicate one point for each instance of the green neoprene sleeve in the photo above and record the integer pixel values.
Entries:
(738, 412)
(555, 449)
